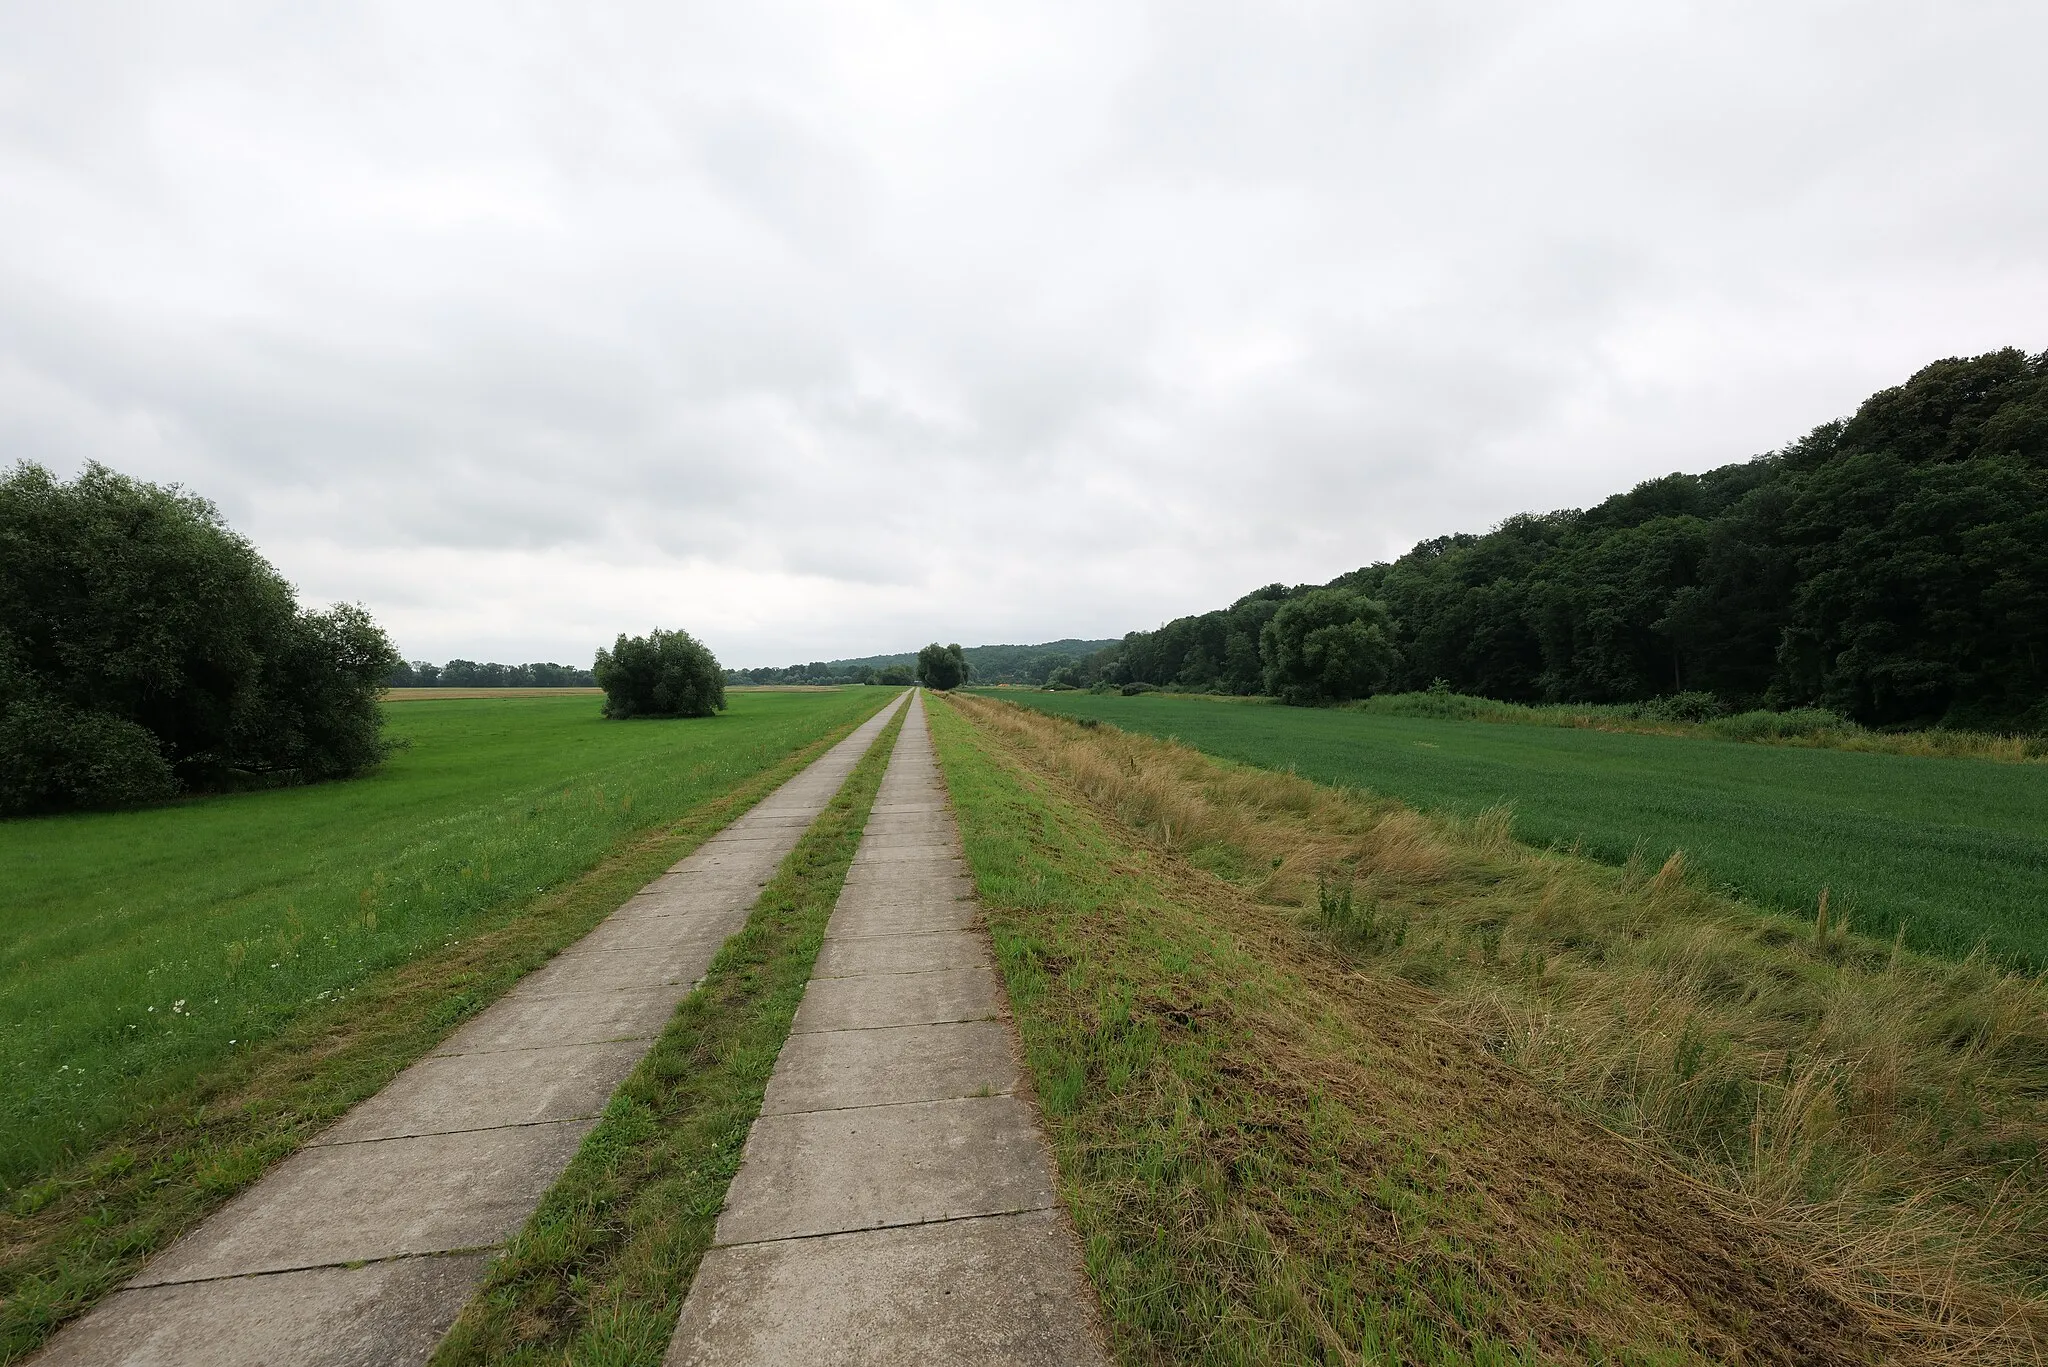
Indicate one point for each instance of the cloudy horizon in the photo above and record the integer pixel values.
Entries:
(824, 331)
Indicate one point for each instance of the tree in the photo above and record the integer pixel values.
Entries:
(146, 649)
(661, 674)
(897, 676)
(942, 667)
(1325, 646)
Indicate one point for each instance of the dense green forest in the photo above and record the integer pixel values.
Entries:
(1891, 567)
(985, 664)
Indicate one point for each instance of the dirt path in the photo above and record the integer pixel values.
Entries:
(362, 1247)
(896, 1201)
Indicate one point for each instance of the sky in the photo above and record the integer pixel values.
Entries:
(828, 330)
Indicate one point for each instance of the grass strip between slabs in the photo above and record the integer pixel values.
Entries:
(600, 1271)
(70, 1239)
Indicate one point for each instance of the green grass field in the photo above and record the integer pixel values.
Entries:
(139, 948)
(1955, 850)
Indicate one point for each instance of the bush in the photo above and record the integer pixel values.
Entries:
(1689, 707)
(897, 676)
(140, 638)
(1132, 690)
(1788, 725)
(661, 674)
(54, 757)
(942, 667)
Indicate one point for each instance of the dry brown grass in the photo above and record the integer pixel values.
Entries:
(1881, 1112)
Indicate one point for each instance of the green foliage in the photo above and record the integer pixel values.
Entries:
(942, 667)
(1326, 645)
(661, 674)
(1947, 851)
(144, 647)
(895, 675)
(1892, 568)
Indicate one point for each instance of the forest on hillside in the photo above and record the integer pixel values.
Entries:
(1891, 567)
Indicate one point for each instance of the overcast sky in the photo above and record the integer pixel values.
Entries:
(831, 330)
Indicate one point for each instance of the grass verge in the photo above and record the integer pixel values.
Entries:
(600, 1271)
(72, 1236)
(1332, 1081)
(141, 950)
(1952, 851)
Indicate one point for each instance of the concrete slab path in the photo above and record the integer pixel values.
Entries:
(895, 1202)
(363, 1247)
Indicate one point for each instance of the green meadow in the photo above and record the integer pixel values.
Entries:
(1955, 851)
(139, 948)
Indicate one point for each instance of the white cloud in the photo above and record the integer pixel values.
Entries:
(833, 329)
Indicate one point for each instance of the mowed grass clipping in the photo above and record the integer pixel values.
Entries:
(140, 950)
(599, 1274)
(1952, 851)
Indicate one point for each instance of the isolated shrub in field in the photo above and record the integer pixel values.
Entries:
(130, 611)
(661, 674)
(1327, 645)
(942, 667)
(1132, 690)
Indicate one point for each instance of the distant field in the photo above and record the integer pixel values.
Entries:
(441, 694)
(1956, 850)
(138, 947)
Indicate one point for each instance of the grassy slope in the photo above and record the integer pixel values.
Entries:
(1268, 1165)
(599, 1273)
(138, 950)
(1956, 851)
(67, 1240)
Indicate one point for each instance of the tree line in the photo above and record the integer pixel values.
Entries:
(1891, 566)
(471, 674)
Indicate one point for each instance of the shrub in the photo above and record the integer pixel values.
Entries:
(1690, 707)
(1132, 690)
(942, 667)
(895, 675)
(145, 648)
(661, 674)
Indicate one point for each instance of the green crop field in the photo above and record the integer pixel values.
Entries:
(137, 948)
(1955, 850)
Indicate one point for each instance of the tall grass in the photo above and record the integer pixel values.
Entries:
(1952, 852)
(1885, 1110)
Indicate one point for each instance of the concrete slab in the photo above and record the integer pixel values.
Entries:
(928, 877)
(383, 1314)
(446, 1095)
(653, 965)
(925, 850)
(900, 954)
(523, 1022)
(837, 1069)
(342, 1203)
(910, 918)
(871, 1002)
(657, 932)
(826, 1172)
(1007, 1289)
